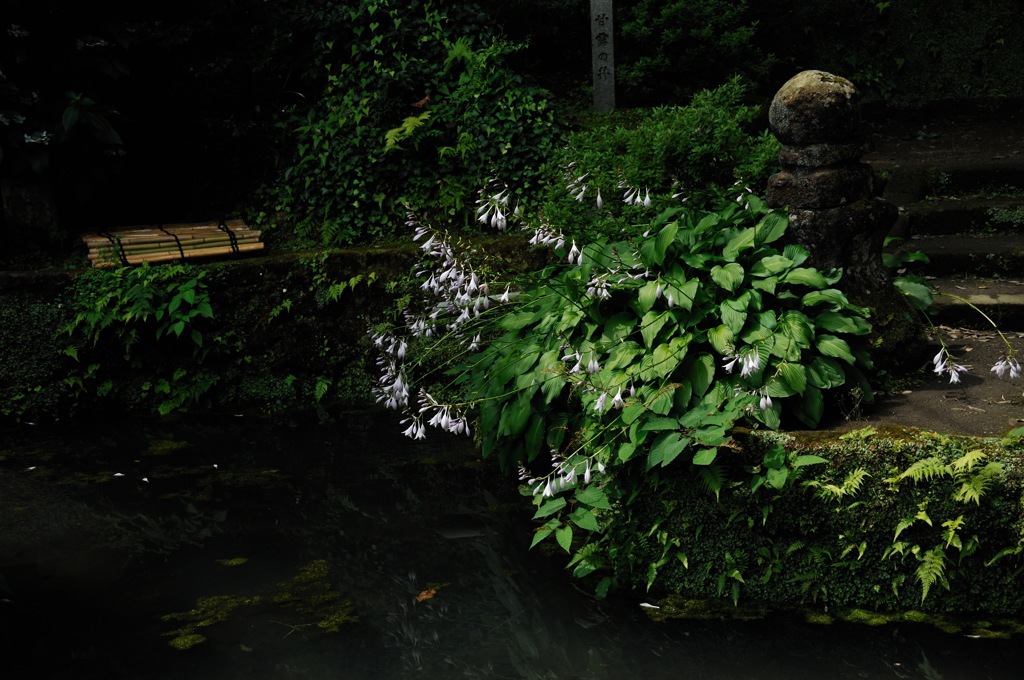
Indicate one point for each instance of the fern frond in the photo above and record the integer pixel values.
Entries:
(854, 481)
(931, 570)
(926, 469)
(712, 477)
(952, 526)
(968, 460)
(902, 525)
(975, 486)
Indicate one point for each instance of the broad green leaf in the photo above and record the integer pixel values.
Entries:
(771, 227)
(810, 407)
(651, 324)
(729, 276)
(540, 535)
(832, 296)
(705, 457)
(744, 240)
(515, 415)
(721, 338)
(666, 448)
(549, 507)
(794, 375)
(772, 264)
(534, 436)
(805, 276)
(777, 478)
(825, 373)
(804, 460)
(840, 323)
(632, 412)
(775, 457)
(917, 293)
(664, 239)
(733, 314)
(564, 537)
(657, 424)
(584, 519)
(646, 297)
(831, 346)
(700, 373)
(594, 497)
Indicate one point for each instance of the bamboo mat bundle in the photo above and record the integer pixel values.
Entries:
(170, 242)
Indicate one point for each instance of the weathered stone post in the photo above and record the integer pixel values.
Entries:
(833, 211)
(602, 39)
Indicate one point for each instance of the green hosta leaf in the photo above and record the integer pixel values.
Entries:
(660, 424)
(659, 363)
(632, 412)
(664, 239)
(825, 373)
(646, 297)
(683, 294)
(772, 264)
(666, 448)
(831, 346)
(919, 294)
(794, 375)
(729, 276)
(804, 276)
(840, 323)
(832, 296)
(622, 355)
(744, 240)
(734, 315)
(771, 227)
(651, 324)
(516, 414)
(700, 373)
(543, 532)
(618, 327)
(721, 338)
(797, 253)
(811, 407)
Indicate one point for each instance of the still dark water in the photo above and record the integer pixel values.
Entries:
(250, 534)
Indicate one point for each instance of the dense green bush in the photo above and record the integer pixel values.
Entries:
(717, 146)
(420, 112)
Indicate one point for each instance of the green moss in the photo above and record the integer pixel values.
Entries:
(187, 641)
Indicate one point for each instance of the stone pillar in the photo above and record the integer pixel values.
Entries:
(602, 47)
(833, 210)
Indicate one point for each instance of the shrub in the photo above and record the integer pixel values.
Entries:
(421, 112)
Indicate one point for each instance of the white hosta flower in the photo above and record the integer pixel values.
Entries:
(1007, 367)
(599, 406)
(617, 401)
(592, 365)
(575, 256)
(765, 402)
(600, 203)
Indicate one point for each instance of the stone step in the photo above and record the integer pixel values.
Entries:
(945, 216)
(965, 255)
(965, 302)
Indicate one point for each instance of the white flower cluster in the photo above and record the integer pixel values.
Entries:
(1007, 367)
(943, 363)
(566, 474)
(493, 208)
(444, 416)
(749, 360)
(453, 288)
(633, 197)
(392, 388)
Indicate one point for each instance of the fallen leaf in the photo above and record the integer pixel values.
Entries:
(426, 594)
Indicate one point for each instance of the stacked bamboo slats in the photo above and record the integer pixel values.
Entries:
(170, 242)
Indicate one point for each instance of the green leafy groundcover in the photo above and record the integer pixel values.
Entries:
(891, 522)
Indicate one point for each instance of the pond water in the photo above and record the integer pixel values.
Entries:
(243, 549)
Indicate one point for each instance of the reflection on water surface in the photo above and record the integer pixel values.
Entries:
(339, 551)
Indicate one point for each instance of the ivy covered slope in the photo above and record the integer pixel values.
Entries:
(893, 521)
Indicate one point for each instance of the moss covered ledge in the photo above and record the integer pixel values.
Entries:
(889, 524)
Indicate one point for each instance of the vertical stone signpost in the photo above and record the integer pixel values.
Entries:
(603, 54)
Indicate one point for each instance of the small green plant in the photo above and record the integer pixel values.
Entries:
(121, 317)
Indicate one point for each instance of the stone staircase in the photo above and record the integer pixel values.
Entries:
(958, 182)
